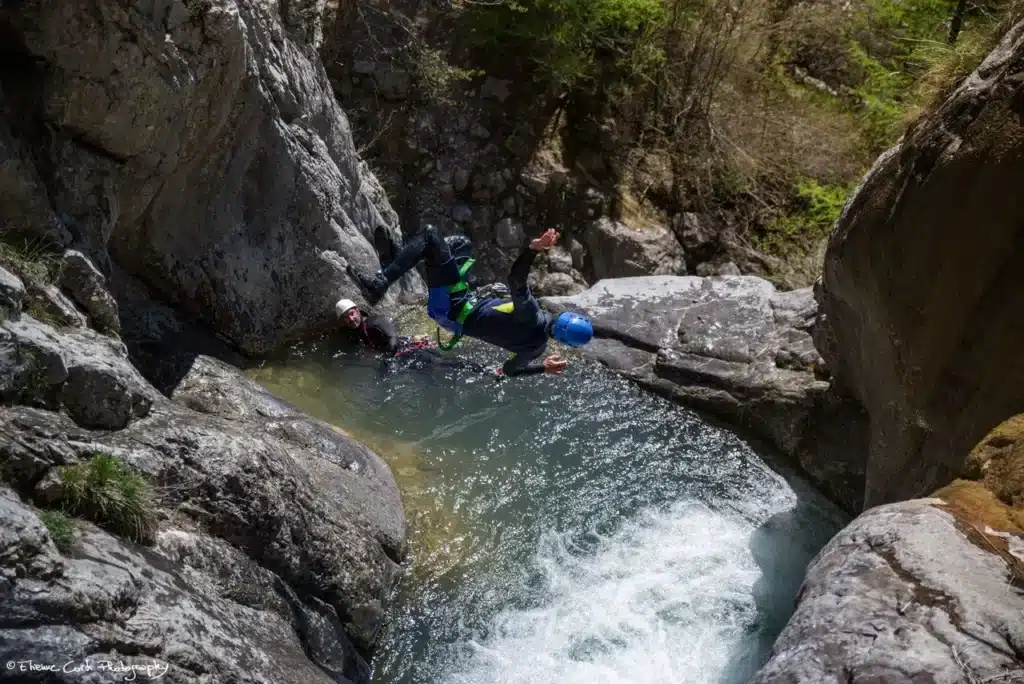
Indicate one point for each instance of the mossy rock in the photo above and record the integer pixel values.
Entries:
(989, 505)
(998, 462)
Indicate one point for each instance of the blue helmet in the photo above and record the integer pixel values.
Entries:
(572, 329)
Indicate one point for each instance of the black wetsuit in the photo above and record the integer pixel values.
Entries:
(377, 333)
(516, 324)
(401, 352)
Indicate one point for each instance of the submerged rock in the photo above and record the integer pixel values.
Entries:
(906, 593)
(738, 348)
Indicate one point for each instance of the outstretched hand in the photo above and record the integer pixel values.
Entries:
(555, 364)
(545, 241)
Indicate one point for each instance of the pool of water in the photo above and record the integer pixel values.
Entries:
(568, 529)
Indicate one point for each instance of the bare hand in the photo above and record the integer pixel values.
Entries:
(545, 241)
(555, 364)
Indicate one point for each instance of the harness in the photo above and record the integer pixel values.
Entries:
(412, 346)
(443, 316)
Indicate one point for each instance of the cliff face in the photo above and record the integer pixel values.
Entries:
(198, 146)
(923, 286)
(274, 536)
(920, 320)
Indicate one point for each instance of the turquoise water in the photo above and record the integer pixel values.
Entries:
(568, 529)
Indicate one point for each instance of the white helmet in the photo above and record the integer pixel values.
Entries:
(343, 307)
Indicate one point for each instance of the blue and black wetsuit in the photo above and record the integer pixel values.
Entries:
(516, 324)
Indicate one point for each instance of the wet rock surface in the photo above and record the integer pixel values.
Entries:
(906, 593)
(278, 534)
(738, 348)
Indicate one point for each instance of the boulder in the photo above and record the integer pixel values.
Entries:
(922, 287)
(736, 347)
(555, 284)
(695, 233)
(462, 213)
(302, 504)
(204, 149)
(508, 233)
(47, 300)
(618, 250)
(87, 286)
(907, 593)
(12, 294)
(462, 177)
(192, 609)
(87, 374)
(559, 260)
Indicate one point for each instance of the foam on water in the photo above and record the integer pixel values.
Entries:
(573, 530)
(666, 599)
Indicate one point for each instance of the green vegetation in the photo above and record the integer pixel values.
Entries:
(819, 209)
(437, 75)
(114, 497)
(31, 259)
(565, 40)
(60, 527)
(764, 113)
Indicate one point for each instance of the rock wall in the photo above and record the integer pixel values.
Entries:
(922, 290)
(908, 592)
(277, 535)
(198, 146)
(474, 154)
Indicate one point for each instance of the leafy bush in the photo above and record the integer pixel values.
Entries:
(799, 231)
(60, 527)
(111, 495)
(562, 38)
(437, 75)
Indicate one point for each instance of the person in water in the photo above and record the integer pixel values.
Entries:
(401, 352)
(516, 324)
(374, 331)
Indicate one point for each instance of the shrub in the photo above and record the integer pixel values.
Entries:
(111, 495)
(437, 75)
(819, 208)
(60, 527)
(32, 259)
(563, 39)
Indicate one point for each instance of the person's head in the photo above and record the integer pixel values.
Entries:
(348, 313)
(572, 329)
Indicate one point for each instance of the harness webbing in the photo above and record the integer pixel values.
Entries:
(467, 306)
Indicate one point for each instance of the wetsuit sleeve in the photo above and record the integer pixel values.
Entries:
(381, 334)
(519, 274)
(521, 364)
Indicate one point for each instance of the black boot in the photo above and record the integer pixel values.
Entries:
(373, 285)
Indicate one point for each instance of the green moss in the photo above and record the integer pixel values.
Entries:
(60, 527)
(817, 208)
(111, 495)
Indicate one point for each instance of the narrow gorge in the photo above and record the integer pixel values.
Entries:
(792, 453)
